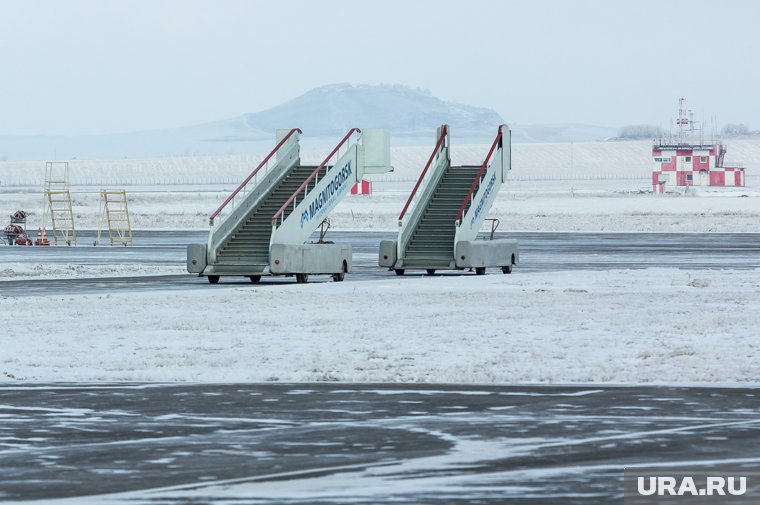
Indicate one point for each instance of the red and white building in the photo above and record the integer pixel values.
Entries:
(693, 165)
(679, 162)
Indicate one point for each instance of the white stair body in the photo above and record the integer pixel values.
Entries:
(284, 207)
(448, 208)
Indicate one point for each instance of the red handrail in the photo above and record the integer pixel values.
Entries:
(424, 170)
(253, 174)
(479, 175)
(313, 174)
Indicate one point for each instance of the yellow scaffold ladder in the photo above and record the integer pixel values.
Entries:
(58, 203)
(114, 211)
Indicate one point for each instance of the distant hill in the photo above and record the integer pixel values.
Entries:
(324, 114)
(332, 110)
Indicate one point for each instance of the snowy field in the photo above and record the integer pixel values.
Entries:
(591, 186)
(530, 161)
(19, 271)
(591, 205)
(634, 326)
(656, 325)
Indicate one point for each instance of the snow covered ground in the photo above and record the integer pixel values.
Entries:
(22, 271)
(533, 161)
(655, 325)
(633, 326)
(588, 205)
(606, 205)
(603, 186)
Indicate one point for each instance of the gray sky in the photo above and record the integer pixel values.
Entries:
(95, 66)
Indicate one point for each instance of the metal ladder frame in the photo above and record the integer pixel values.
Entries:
(119, 227)
(59, 216)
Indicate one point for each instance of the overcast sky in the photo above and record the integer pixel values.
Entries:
(94, 66)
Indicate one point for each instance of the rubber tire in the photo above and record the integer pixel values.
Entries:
(255, 279)
(480, 270)
(399, 271)
(302, 278)
(213, 279)
(506, 269)
(431, 271)
(339, 277)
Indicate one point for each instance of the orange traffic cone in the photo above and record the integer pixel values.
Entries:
(41, 237)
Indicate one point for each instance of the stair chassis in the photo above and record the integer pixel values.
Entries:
(299, 261)
(478, 255)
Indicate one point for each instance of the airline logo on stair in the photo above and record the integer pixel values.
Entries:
(483, 200)
(336, 186)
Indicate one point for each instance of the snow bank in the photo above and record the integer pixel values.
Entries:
(26, 271)
(592, 205)
(605, 187)
(656, 325)
(529, 161)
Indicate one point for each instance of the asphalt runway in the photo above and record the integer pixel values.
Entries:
(359, 444)
(365, 444)
(539, 251)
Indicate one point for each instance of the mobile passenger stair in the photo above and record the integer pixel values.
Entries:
(263, 226)
(442, 218)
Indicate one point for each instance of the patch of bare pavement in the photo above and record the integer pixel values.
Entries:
(329, 443)
(539, 252)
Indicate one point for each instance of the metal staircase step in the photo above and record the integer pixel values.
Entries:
(432, 241)
(250, 243)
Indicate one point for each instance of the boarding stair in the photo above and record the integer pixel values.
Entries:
(249, 245)
(432, 243)
(440, 222)
(280, 204)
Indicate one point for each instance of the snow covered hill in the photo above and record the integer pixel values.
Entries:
(332, 110)
(324, 114)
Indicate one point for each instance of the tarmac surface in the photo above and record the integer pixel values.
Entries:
(539, 251)
(365, 443)
(359, 443)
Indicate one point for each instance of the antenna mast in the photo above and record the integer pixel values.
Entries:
(682, 121)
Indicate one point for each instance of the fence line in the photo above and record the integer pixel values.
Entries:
(130, 181)
(205, 181)
(647, 176)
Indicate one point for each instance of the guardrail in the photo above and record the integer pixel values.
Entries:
(423, 175)
(176, 181)
(475, 183)
(314, 176)
(252, 177)
(733, 164)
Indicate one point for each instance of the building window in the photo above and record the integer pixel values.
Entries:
(703, 159)
(689, 177)
(688, 159)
